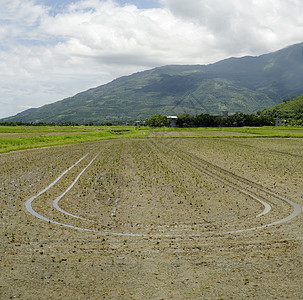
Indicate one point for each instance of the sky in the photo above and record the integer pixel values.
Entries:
(53, 49)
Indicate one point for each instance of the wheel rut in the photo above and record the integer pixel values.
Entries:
(269, 216)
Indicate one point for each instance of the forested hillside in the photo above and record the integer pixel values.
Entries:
(246, 84)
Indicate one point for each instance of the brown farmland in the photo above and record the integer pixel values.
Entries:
(185, 218)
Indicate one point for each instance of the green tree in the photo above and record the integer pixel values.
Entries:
(206, 120)
(157, 120)
(185, 120)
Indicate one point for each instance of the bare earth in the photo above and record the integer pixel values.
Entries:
(154, 219)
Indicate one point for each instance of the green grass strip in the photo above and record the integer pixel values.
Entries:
(12, 138)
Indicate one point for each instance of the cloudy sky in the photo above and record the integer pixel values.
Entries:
(52, 49)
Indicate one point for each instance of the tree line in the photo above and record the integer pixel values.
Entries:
(239, 119)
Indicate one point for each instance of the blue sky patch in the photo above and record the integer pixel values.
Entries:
(58, 5)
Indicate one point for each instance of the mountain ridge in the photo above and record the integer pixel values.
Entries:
(247, 84)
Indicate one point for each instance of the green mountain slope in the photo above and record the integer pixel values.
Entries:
(245, 84)
(289, 109)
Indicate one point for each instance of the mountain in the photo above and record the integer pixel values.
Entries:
(289, 109)
(246, 84)
(24, 113)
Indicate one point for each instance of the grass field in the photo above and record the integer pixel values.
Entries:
(28, 137)
(126, 213)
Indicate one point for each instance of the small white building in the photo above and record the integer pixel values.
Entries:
(139, 123)
(172, 121)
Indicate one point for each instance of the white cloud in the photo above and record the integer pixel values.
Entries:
(45, 57)
(244, 27)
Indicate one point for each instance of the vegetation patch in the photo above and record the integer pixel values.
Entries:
(29, 137)
(291, 111)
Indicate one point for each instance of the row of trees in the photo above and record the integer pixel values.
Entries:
(206, 120)
(183, 121)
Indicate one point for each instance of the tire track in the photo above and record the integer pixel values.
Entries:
(296, 207)
(267, 207)
(28, 203)
(56, 201)
(276, 152)
(181, 154)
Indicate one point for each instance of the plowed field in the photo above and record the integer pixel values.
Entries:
(185, 218)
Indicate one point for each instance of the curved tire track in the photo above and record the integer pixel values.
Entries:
(28, 203)
(296, 207)
(56, 201)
